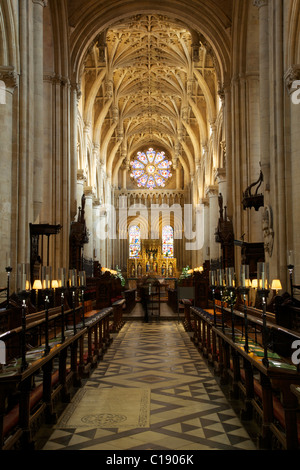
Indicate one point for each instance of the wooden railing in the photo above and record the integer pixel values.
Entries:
(30, 390)
(264, 386)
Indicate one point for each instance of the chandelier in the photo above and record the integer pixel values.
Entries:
(151, 169)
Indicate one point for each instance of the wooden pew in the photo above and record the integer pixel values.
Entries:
(118, 322)
(265, 389)
(129, 296)
(187, 317)
(73, 360)
(173, 299)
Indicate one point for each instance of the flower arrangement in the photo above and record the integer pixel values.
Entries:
(120, 276)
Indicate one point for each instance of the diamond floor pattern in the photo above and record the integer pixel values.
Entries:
(188, 410)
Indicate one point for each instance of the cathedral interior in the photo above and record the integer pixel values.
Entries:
(150, 200)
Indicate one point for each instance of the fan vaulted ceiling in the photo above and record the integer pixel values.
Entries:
(149, 81)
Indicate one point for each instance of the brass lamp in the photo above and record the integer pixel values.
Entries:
(37, 285)
(276, 285)
(54, 285)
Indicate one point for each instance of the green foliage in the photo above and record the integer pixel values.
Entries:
(120, 276)
(228, 298)
(185, 274)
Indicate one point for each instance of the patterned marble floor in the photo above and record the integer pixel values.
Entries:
(187, 410)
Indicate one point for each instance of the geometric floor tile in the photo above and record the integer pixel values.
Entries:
(188, 410)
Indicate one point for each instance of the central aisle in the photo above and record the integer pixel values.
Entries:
(154, 392)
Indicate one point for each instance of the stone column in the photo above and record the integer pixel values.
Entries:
(228, 143)
(81, 179)
(96, 239)
(178, 171)
(75, 95)
(38, 6)
(101, 228)
(278, 169)
(293, 186)
(212, 194)
(205, 249)
(124, 178)
(264, 79)
(222, 182)
(8, 79)
(88, 247)
(101, 178)
(213, 128)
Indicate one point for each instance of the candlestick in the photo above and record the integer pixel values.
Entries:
(47, 347)
(23, 291)
(290, 266)
(73, 307)
(62, 306)
(212, 277)
(47, 277)
(244, 290)
(8, 270)
(263, 292)
(220, 276)
(73, 287)
(24, 364)
(82, 285)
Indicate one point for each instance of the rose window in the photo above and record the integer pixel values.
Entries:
(151, 169)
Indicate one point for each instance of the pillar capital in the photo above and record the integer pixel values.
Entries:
(81, 176)
(260, 3)
(89, 192)
(42, 3)
(76, 89)
(220, 175)
(204, 202)
(96, 203)
(291, 76)
(9, 77)
(212, 191)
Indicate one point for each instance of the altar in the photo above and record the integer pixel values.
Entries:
(151, 262)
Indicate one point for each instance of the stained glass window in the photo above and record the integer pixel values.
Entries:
(168, 241)
(134, 241)
(151, 169)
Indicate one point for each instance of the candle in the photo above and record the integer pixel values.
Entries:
(262, 271)
(290, 258)
(7, 260)
(23, 277)
(230, 276)
(244, 275)
(243, 278)
(73, 277)
(61, 277)
(82, 278)
(220, 275)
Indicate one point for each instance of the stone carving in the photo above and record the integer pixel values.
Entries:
(268, 232)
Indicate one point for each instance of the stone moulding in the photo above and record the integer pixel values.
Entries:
(9, 76)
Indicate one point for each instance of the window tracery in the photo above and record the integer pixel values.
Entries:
(168, 241)
(134, 242)
(151, 169)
